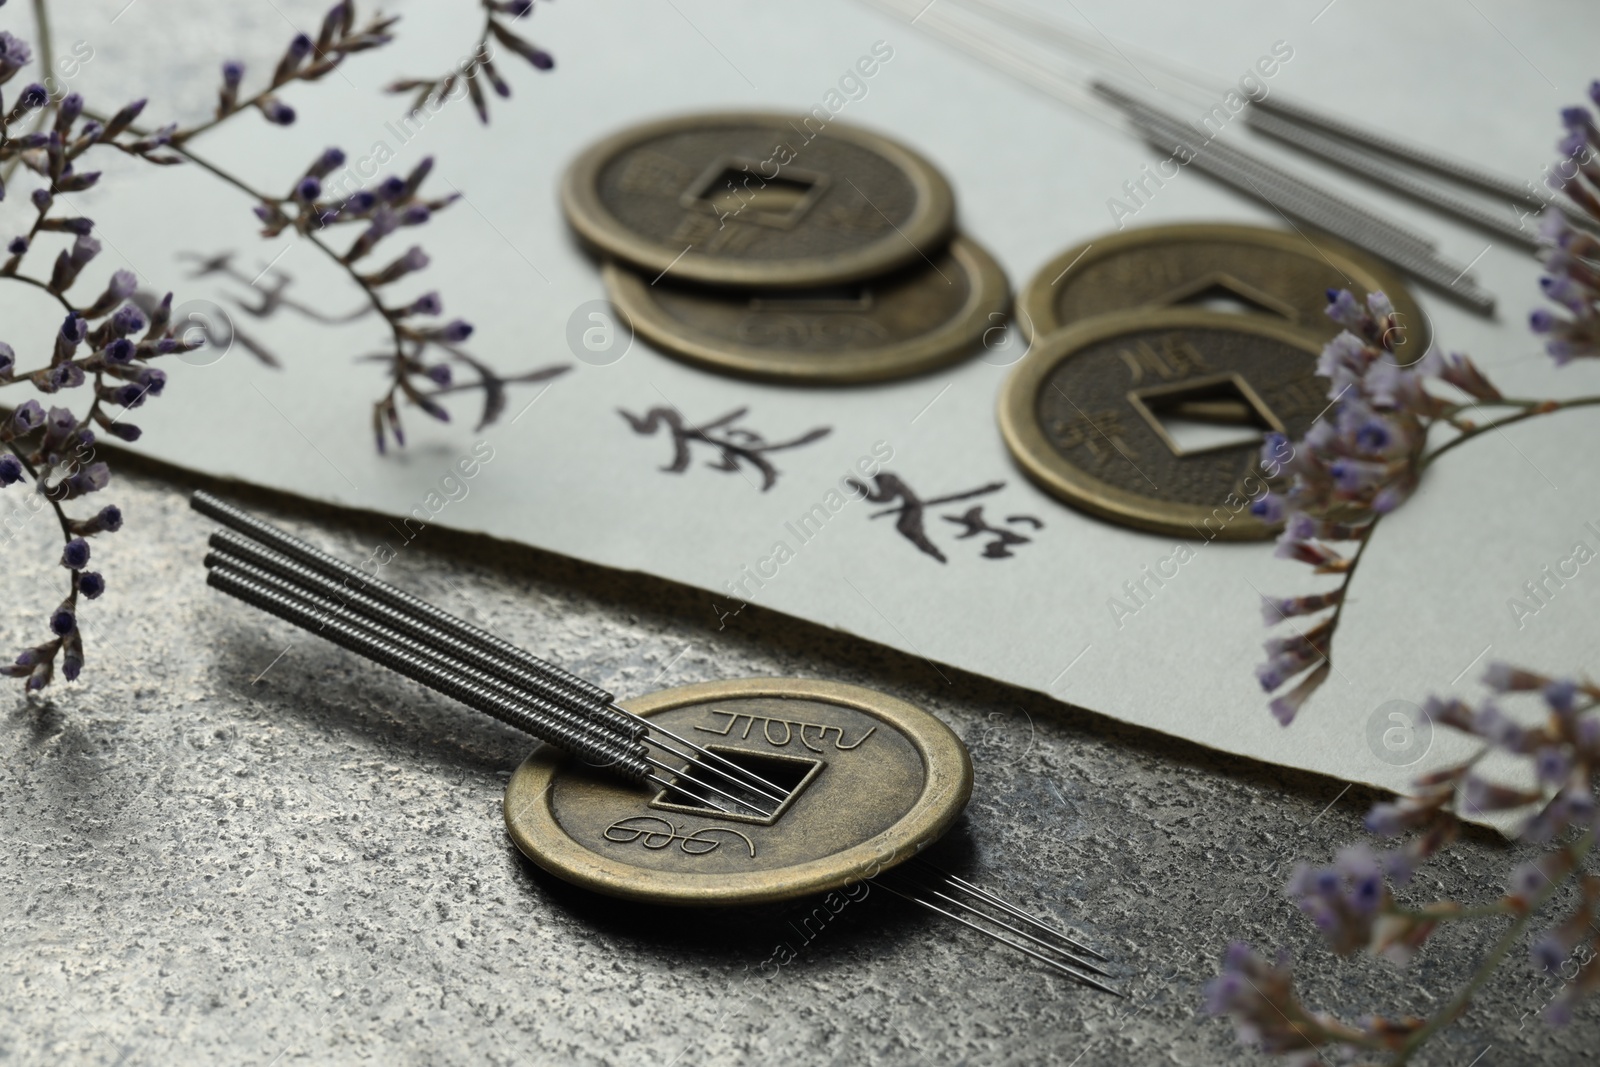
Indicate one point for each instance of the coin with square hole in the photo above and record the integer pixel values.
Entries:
(1249, 270)
(867, 781)
(758, 200)
(923, 316)
(1155, 418)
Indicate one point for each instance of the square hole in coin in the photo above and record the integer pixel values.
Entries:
(1219, 411)
(735, 189)
(790, 774)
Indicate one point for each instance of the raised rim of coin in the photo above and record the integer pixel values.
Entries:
(1036, 302)
(930, 223)
(990, 296)
(1019, 423)
(947, 786)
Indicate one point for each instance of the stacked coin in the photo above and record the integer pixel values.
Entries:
(784, 247)
(1159, 357)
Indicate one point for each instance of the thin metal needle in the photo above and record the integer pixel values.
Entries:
(1057, 964)
(984, 894)
(755, 780)
(294, 562)
(687, 777)
(1068, 953)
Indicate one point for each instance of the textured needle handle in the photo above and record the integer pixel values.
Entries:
(244, 554)
(289, 545)
(598, 750)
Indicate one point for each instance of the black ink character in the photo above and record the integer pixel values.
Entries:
(910, 512)
(734, 445)
(1000, 547)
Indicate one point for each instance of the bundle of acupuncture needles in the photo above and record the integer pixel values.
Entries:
(1090, 73)
(284, 576)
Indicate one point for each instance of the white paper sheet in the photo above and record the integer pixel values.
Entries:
(1429, 607)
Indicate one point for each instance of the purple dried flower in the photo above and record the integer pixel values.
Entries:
(59, 424)
(108, 519)
(1561, 695)
(11, 471)
(307, 189)
(276, 111)
(440, 373)
(329, 161)
(18, 246)
(391, 189)
(415, 215)
(1284, 708)
(91, 585)
(453, 332)
(76, 554)
(124, 431)
(1505, 678)
(426, 304)
(128, 319)
(8, 359)
(63, 621)
(232, 73)
(69, 264)
(66, 376)
(124, 118)
(153, 379)
(41, 198)
(28, 417)
(91, 479)
(33, 96)
(14, 54)
(119, 352)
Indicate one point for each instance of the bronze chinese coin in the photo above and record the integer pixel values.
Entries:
(758, 200)
(1155, 418)
(920, 317)
(870, 781)
(1275, 273)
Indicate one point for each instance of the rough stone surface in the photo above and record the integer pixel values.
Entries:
(234, 843)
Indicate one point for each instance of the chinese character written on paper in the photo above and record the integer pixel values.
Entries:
(734, 447)
(911, 515)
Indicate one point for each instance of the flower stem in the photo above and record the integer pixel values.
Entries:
(1529, 409)
(398, 354)
(39, 487)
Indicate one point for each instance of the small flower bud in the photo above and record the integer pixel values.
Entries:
(76, 554)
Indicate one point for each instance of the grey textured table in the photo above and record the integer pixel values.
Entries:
(233, 843)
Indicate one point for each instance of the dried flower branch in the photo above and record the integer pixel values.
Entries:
(1343, 477)
(1367, 455)
(106, 342)
(479, 66)
(1354, 908)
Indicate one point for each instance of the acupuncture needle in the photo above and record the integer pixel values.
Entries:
(983, 894)
(1064, 968)
(262, 562)
(487, 650)
(468, 686)
(1077, 960)
(563, 727)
